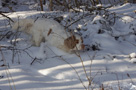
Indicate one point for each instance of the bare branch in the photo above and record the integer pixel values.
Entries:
(6, 16)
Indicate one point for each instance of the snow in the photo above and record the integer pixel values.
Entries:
(109, 58)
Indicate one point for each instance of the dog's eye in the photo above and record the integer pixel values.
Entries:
(77, 41)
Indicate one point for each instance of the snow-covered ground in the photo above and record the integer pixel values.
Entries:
(108, 61)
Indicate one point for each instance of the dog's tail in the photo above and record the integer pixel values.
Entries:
(23, 24)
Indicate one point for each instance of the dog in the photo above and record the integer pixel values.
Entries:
(50, 31)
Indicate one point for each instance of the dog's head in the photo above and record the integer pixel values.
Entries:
(23, 25)
(74, 42)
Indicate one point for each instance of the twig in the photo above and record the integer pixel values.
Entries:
(130, 78)
(7, 72)
(17, 50)
(118, 81)
(83, 67)
(33, 61)
(7, 34)
(6, 16)
(77, 20)
(70, 66)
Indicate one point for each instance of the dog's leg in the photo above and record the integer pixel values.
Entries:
(37, 41)
(37, 38)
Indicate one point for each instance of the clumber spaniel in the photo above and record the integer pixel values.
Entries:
(50, 31)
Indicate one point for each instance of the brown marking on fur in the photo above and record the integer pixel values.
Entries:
(49, 32)
(82, 47)
(29, 25)
(71, 42)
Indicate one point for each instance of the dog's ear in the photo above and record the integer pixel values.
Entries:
(71, 42)
(74, 40)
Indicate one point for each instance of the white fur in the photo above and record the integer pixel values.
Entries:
(40, 28)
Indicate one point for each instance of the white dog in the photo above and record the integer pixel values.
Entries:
(50, 31)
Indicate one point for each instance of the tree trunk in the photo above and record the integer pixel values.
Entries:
(35, 1)
(77, 4)
(51, 5)
(41, 5)
(44, 2)
(134, 1)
